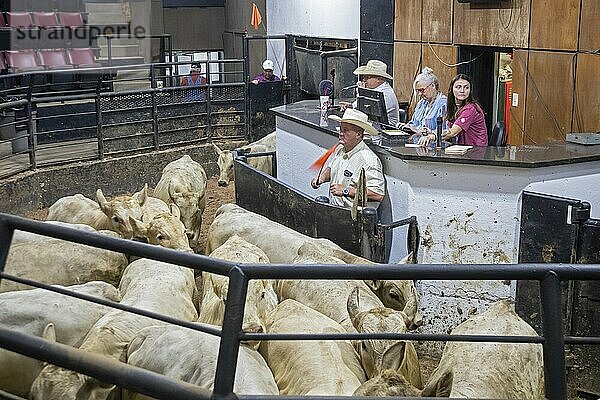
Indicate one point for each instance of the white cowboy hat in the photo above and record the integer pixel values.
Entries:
(357, 118)
(268, 64)
(373, 67)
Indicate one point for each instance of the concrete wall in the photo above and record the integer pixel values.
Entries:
(194, 28)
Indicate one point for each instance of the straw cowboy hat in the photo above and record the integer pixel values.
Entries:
(357, 118)
(373, 67)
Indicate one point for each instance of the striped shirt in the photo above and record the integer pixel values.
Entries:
(345, 170)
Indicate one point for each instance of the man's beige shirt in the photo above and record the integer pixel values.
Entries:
(345, 170)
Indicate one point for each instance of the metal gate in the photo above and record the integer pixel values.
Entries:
(560, 230)
(266, 195)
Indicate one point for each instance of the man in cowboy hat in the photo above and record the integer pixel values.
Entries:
(373, 76)
(349, 158)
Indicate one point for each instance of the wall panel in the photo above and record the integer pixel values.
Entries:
(586, 113)
(506, 27)
(554, 24)
(589, 38)
(406, 67)
(447, 55)
(549, 96)
(407, 20)
(437, 21)
(516, 134)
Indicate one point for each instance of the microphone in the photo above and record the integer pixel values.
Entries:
(349, 87)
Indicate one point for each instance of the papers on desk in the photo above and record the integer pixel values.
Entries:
(457, 149)
(411, 145)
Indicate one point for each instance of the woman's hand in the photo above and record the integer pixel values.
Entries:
(425, 140)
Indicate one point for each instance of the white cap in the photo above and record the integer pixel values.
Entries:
(268, 64)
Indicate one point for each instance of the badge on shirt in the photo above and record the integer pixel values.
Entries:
(347, 173)
(462, 120)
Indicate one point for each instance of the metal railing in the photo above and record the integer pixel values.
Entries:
(549, 276)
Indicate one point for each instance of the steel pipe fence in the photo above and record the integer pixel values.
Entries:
(549, 276)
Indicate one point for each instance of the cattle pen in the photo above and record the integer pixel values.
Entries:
(550, 277)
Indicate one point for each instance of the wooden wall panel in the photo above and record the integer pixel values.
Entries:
(549, 96)
(589, 38)
(449, 55)
(407, 20)
(554, 24)
(406, 67)
(516, 134)
(586, 115)
(437, 21)
(507, 27)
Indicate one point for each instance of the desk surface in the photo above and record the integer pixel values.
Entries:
(307, 113)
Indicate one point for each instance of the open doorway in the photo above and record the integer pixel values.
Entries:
(491, 72)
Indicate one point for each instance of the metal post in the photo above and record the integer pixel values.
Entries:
(6, 234)
(154, 120)
(152, 76)
(31, 140)
(232, 326)
(367, 233)
(99, 131)
(208, 103)
(246, 57)
(109, 48)
(554, 345)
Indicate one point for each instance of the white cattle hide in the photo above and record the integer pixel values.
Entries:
(163, 229)
(24, 236)
(154, 349)
(110, 215)
(264, 164)
(183, 182)
(315, 367)
(260, 297)
(281, 245)
(60, 262)
(33, 311)
(310, 292)
(151, 285)
(379, 355)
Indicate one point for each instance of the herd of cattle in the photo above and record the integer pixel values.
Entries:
(172, 218)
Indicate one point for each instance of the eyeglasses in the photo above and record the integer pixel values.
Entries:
(364, 78)
(423, 89)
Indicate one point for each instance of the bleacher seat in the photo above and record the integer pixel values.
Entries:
(71, 19)
(22, 61)
(82, 58)
(19, 20)
(45, 20)
(53, 59)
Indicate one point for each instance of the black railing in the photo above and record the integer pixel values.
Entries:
(549, 275)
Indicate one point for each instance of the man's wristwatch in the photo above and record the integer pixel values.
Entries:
(346, 192)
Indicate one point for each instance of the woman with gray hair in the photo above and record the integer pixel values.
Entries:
(431, 105)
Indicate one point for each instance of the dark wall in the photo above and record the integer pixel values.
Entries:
(377, 32)
(195, 28)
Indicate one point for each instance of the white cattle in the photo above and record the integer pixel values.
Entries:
(196, 362)
(110, 215)
(23, 236)
(281, 245)
(264, 164)
(260, 297)
(310, 292)
(315, 367)
(482, 370)
(163, 229)
(150, 285)
(183, 182)
(379, 355)
(59, 262)
(39, 311)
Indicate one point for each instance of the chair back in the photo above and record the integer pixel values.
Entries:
(71, 19)
(19, 19)
(45, 19)
(52, 58)
(21, 58)
(499, 136)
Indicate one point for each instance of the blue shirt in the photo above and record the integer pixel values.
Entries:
(426, 114)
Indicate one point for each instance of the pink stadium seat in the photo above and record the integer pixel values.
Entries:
(19, 20)
(82, 58)
(53, 59)
(45, 19)
(71, 19)
(22, 61)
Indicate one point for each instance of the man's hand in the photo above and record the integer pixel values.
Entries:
(336, 189)
(315, 183)
(255, 81)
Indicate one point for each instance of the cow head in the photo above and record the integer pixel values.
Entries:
(119, 209)
(225, 163)
(399, 295)
(54, 382)
(191, 205)
(165, 229)
(393, 384)
(377, 355)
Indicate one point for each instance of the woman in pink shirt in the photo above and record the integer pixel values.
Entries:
(464, 114)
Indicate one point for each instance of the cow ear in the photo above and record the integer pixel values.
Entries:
(409, 259)
(49, 333)
(142, 195)
(441, 387)
(175, 210)
(373, 284)
(393, 356)
(101, 201)
(139, 227)
(353, 306)
(411, 309)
